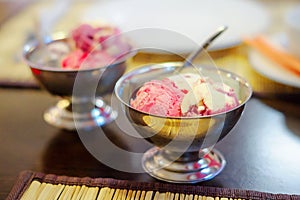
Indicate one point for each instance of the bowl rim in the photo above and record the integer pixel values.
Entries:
(155, 66)
(31, 45)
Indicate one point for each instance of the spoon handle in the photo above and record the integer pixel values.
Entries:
(204, 46)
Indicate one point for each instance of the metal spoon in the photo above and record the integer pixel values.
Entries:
(204, 46)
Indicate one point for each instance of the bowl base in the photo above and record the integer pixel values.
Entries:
(62, 116)
(157, 163)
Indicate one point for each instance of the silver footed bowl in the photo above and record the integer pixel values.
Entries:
(183, 149)
(81, 91)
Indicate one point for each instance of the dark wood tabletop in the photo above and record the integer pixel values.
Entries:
(262, 151)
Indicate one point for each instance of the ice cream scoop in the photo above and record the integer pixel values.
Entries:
(95, 47)
(159, 97)
(184, 95)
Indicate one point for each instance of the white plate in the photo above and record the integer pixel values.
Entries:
(181, 25)
(271, 70)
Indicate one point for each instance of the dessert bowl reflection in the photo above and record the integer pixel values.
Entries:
(183, 151)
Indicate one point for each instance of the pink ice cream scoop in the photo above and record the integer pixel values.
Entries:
(159, 97)
(95, 47)
(185, 95)
(78, 58)
(87, 37)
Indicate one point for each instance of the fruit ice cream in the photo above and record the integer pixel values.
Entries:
(87, 47)
(159, 97)
(95, 46)
(184, 95)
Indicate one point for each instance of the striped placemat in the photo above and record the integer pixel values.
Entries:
(36, 185)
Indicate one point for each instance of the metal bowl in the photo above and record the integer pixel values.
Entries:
(79, 103)
(183, 149)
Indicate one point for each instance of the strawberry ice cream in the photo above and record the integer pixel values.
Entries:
(185, 95)
(159, 97)
(90, 47)
(95, 47)
(80, 59)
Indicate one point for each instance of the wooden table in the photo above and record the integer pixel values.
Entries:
(262, 151)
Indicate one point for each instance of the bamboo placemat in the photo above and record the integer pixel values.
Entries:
(36, 185)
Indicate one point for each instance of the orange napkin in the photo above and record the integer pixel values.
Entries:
(284, 59)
